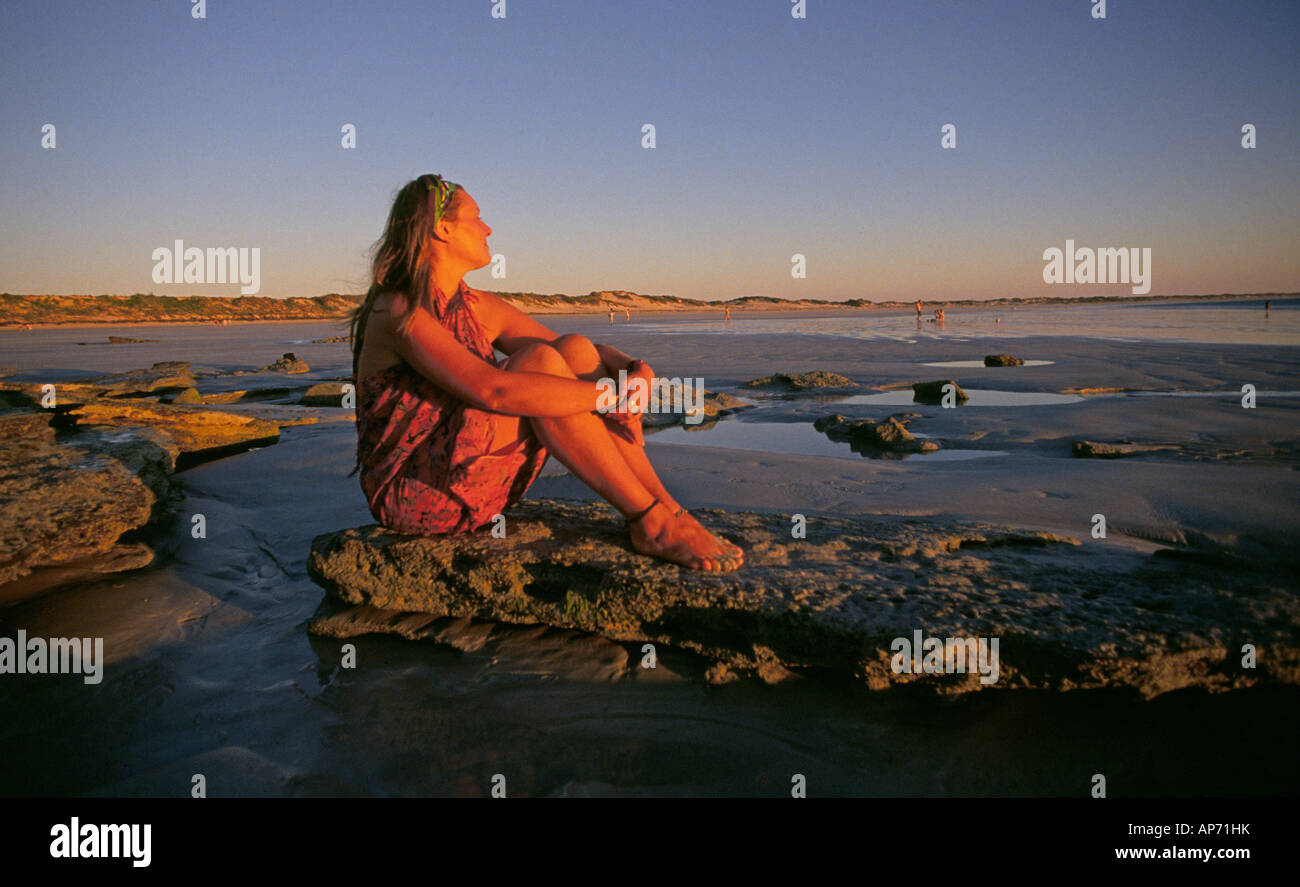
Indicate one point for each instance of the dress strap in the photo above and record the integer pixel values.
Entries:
(457, 314)
(441, 301)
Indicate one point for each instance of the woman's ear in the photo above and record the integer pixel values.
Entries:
(445, 226)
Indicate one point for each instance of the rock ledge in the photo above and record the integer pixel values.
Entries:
(1068, 615)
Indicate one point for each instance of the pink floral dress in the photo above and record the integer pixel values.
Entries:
(424, 454)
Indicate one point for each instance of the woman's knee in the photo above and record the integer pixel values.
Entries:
(573, 342)
(581, 354)
(538, 357)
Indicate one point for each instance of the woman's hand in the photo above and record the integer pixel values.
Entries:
(626, 425)
(638, 396)
(625, 419)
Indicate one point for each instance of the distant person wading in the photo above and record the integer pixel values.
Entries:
(449, 436)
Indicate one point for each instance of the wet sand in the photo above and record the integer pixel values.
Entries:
(210, 668)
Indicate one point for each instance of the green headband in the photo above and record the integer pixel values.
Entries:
(440, 194)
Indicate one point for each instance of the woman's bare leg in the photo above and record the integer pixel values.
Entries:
(584, 360)
(583, 444)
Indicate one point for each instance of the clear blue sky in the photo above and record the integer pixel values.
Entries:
(775, 136)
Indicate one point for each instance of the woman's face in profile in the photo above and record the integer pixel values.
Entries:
(469, 235)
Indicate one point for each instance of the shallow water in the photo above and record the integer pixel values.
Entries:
(796, 438)
(1226, 322)
(212, 670)
(967, 364)
(979, 397)
(58, 355)
(1227, 395)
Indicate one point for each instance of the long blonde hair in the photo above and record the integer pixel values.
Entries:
(402, 263)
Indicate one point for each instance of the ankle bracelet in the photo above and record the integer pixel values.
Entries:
(642, 514)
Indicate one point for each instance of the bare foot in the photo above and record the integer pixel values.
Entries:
(680, 511)
(720, 547)
(683, 541)
(727, 546)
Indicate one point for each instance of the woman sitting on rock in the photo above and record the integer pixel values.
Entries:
(448, 436)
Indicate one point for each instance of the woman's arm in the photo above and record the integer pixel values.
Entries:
(613, 358)
(440, 357)
(518, 329)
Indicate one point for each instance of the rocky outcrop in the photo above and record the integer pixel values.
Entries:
(713, 406)
(802, 381)
(58, 397)
(1096, 390)
(165, 376)
(287, 364)
(192, 396)
(23, 423)
(69, 501)
(266, 392)
(221, 397)
(932, 392)
(1002, 360)
(125, 340)
(86, 464)
(326, 394)
(888, 434)
(1091, 449)
(1066, 615)
(200, 434)
(148, 453)
(187, 396)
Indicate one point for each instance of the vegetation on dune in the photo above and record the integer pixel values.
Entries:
(146, 307)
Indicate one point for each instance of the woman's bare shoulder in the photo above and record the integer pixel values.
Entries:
(492, 308)
(392, 306)
(485, 297)
(381, 346)
(389, 302)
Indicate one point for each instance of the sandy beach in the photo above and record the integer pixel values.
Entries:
(209, 667)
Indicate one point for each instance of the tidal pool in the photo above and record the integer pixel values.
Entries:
(979, 397)
(963, 364)
(795, 438)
